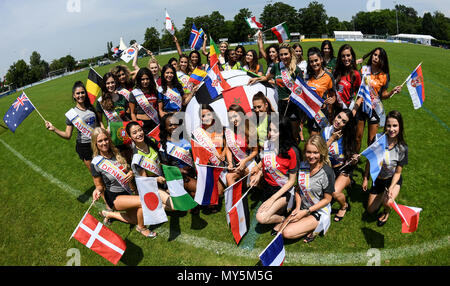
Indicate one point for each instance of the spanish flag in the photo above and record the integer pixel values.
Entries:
(93, 85)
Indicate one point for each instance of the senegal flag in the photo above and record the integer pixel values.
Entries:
(118, 133)
(181, 200)
(93, 85)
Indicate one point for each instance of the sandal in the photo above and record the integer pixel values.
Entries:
(380, 223)
(309, 238)
(151, 234)
(346, 209)
(106, 221)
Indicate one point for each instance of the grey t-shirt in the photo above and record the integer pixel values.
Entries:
(111, 184)
(89, 117)
(320, 183)
(397, 156)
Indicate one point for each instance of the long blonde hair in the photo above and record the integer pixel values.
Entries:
(293, 64)
(112, 149)
(321, 145)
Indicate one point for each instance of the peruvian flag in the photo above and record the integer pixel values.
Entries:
(282, 32)
(253, 24)
(99, 238)
(408, 215)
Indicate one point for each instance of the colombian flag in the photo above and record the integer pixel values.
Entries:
(197, 76)
(93, 85)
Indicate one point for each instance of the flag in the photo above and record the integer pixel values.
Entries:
(128, 54)
(213, 54)
(150, 200)
(118, 133)
(207, 192)
(18, 111)
(238, 96)
(375, 154)
(216, 80)
(122, 45)
(239, 219)
(181, 200)
(232, 195)
(416, 88)
(154, 133)
(93, 84)
(197, 76)
(199, 153)
(309, 101)
(364, 92)
(253, 24)
(408, 215)
(169, 25)
(282, 32)
(196, 38)
(97, 237)
(274, 253)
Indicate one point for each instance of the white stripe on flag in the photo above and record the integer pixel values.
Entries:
(95, 235)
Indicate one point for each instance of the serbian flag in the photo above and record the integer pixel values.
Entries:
(408, 215)
(196, 38)
(169, 25)
(252, 23)
(274, 253)
(118, 133)
(97, 237)
(415, 87)
(181, 200)
(238, 96)
(207, 192)
(18, 111)
(93, 84)
(197, 76)
(375, 154)
(282, 32)
(152, 209)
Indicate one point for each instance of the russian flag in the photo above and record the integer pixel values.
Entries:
(375, 154)
(207, 192)
(274, 253)
(416, 88)
(408, 215)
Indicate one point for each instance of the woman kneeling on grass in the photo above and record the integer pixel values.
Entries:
(313, 196)
(112, 178)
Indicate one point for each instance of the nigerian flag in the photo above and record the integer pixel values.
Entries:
(181, 200)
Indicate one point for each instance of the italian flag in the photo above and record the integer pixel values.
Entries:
(282, 32)
(181, 200)
(253, 24)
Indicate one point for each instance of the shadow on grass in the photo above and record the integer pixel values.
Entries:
(133, 254)
(373, 238)
(84, 197)
(3, 129)
(197, 222)
(174, 224)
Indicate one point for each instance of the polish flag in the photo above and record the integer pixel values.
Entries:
(94, 235)
(408, 215)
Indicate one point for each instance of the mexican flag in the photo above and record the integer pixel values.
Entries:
(181, 200)
(282, 32)
(253, 24)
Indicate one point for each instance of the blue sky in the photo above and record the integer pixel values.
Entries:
(54, 29)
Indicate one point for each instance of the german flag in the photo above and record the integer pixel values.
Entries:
(93, 85)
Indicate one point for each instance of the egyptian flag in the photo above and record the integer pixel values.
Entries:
(239, 217)
(93, 84)
(207, 192)
(408, 215)
(118, 133)
(233, 194)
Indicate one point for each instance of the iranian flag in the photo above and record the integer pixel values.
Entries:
(282, 32)
(253, 24)
(181, 200)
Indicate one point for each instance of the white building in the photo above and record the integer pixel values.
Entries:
(418, 39)
(348, 35)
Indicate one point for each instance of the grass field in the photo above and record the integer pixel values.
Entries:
(45, 190)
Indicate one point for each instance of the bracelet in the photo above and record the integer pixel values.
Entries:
(308, 211)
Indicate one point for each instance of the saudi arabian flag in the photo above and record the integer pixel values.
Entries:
(181, 200)
(282, 32)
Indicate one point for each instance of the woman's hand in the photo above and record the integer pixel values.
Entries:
(336, 135)
(397, 89)
(330, 100)
(129, 176)
(96, 194)
(255, 177)
(355, 159)
(364, 184)
(298, 214)
(49, 126)
(252, 80)
(161, 180)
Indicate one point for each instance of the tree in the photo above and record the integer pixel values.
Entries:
(18, 74)
(109, 47)
(335, 25)
(151, 39)
(274, 14)
(312, 20)
(38, 68)
(240, 29)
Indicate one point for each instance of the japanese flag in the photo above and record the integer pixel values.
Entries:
(151, 201)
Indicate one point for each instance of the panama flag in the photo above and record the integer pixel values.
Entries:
(207, 192)
(196, 38)
(239, 218)
(169, 25)
(18, 111)
(274, 253)
(181, 200)
(408, 215)
(375, 154)
(93, 84)
(282, 32)
(253, 24)
(415, 87)
(150, 200)
(97, 237)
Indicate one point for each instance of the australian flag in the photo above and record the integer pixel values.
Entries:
(18, 111)
(196, 38)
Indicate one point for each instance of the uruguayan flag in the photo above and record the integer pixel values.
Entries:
(364, 92)
(375, 154)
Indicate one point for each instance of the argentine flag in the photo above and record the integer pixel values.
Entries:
(375, 154)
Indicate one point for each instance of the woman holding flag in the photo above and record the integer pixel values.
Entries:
(270, 54)
(112, 179)
(195, 59)
(389, 181)
(170, 94)
(251, 63)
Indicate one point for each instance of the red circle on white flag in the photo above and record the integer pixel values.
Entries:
(151, 201)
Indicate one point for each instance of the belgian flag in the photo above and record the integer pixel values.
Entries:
(93, 85)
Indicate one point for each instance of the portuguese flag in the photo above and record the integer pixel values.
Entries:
(181, 200)
(118, 133)
(93, 85)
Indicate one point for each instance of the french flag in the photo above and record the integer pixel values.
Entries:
(408, 215)
(207, 192)
(274, 254)
(416, 88)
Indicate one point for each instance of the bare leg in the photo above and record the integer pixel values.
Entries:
(300, 228)
(270, 215)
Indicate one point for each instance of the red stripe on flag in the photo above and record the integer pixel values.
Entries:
(234, 224)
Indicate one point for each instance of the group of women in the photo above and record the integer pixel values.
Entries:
(297, 187)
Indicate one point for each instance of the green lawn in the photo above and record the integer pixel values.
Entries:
(39, 213)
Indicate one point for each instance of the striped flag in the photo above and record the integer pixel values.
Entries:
(364, 92)
(207, 192)
(150, 200)
(181, 200)
(252, 23)
(97, 237)
(213, 53)
(282, 32)
(375, 154)
(239, 218)
(197, 76)
(93, 84)
(408, 215)
(169, 25)
(416, 89)
(274, 253)
(232, 195)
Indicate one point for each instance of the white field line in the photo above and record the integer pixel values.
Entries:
(225, 248)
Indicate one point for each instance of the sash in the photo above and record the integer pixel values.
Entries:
(204, 140)
(184, 79)
(112, 116)
(112, 168)
(147, 164)
(79, 123)
(174, 97)
(287, 80)
(179, 153)
(335, 150)
(125, 92)
(377, 106)
(270, 165)
(236, 149)
(145, 105)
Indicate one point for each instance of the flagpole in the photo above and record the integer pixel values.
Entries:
(23, 91)
(230, 187)
(409, 76)
(241, 197)
(82, 218)
(401, 214)
(273, 27)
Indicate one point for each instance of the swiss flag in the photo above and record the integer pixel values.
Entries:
(99, 238)
(408, 215)
(199, 153)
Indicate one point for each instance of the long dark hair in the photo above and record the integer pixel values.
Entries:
(145, 71)
(322, 47)
(107, 101)
(286, 138)
(341, 70)
(174, 83)
(87, 102)
(116, 71)
(163, 134)
(150, 142)
(199, 63)
(242, 59)
(349, 135)
(313, 51)
(397, 115)
(384, 62)
(277, 48)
